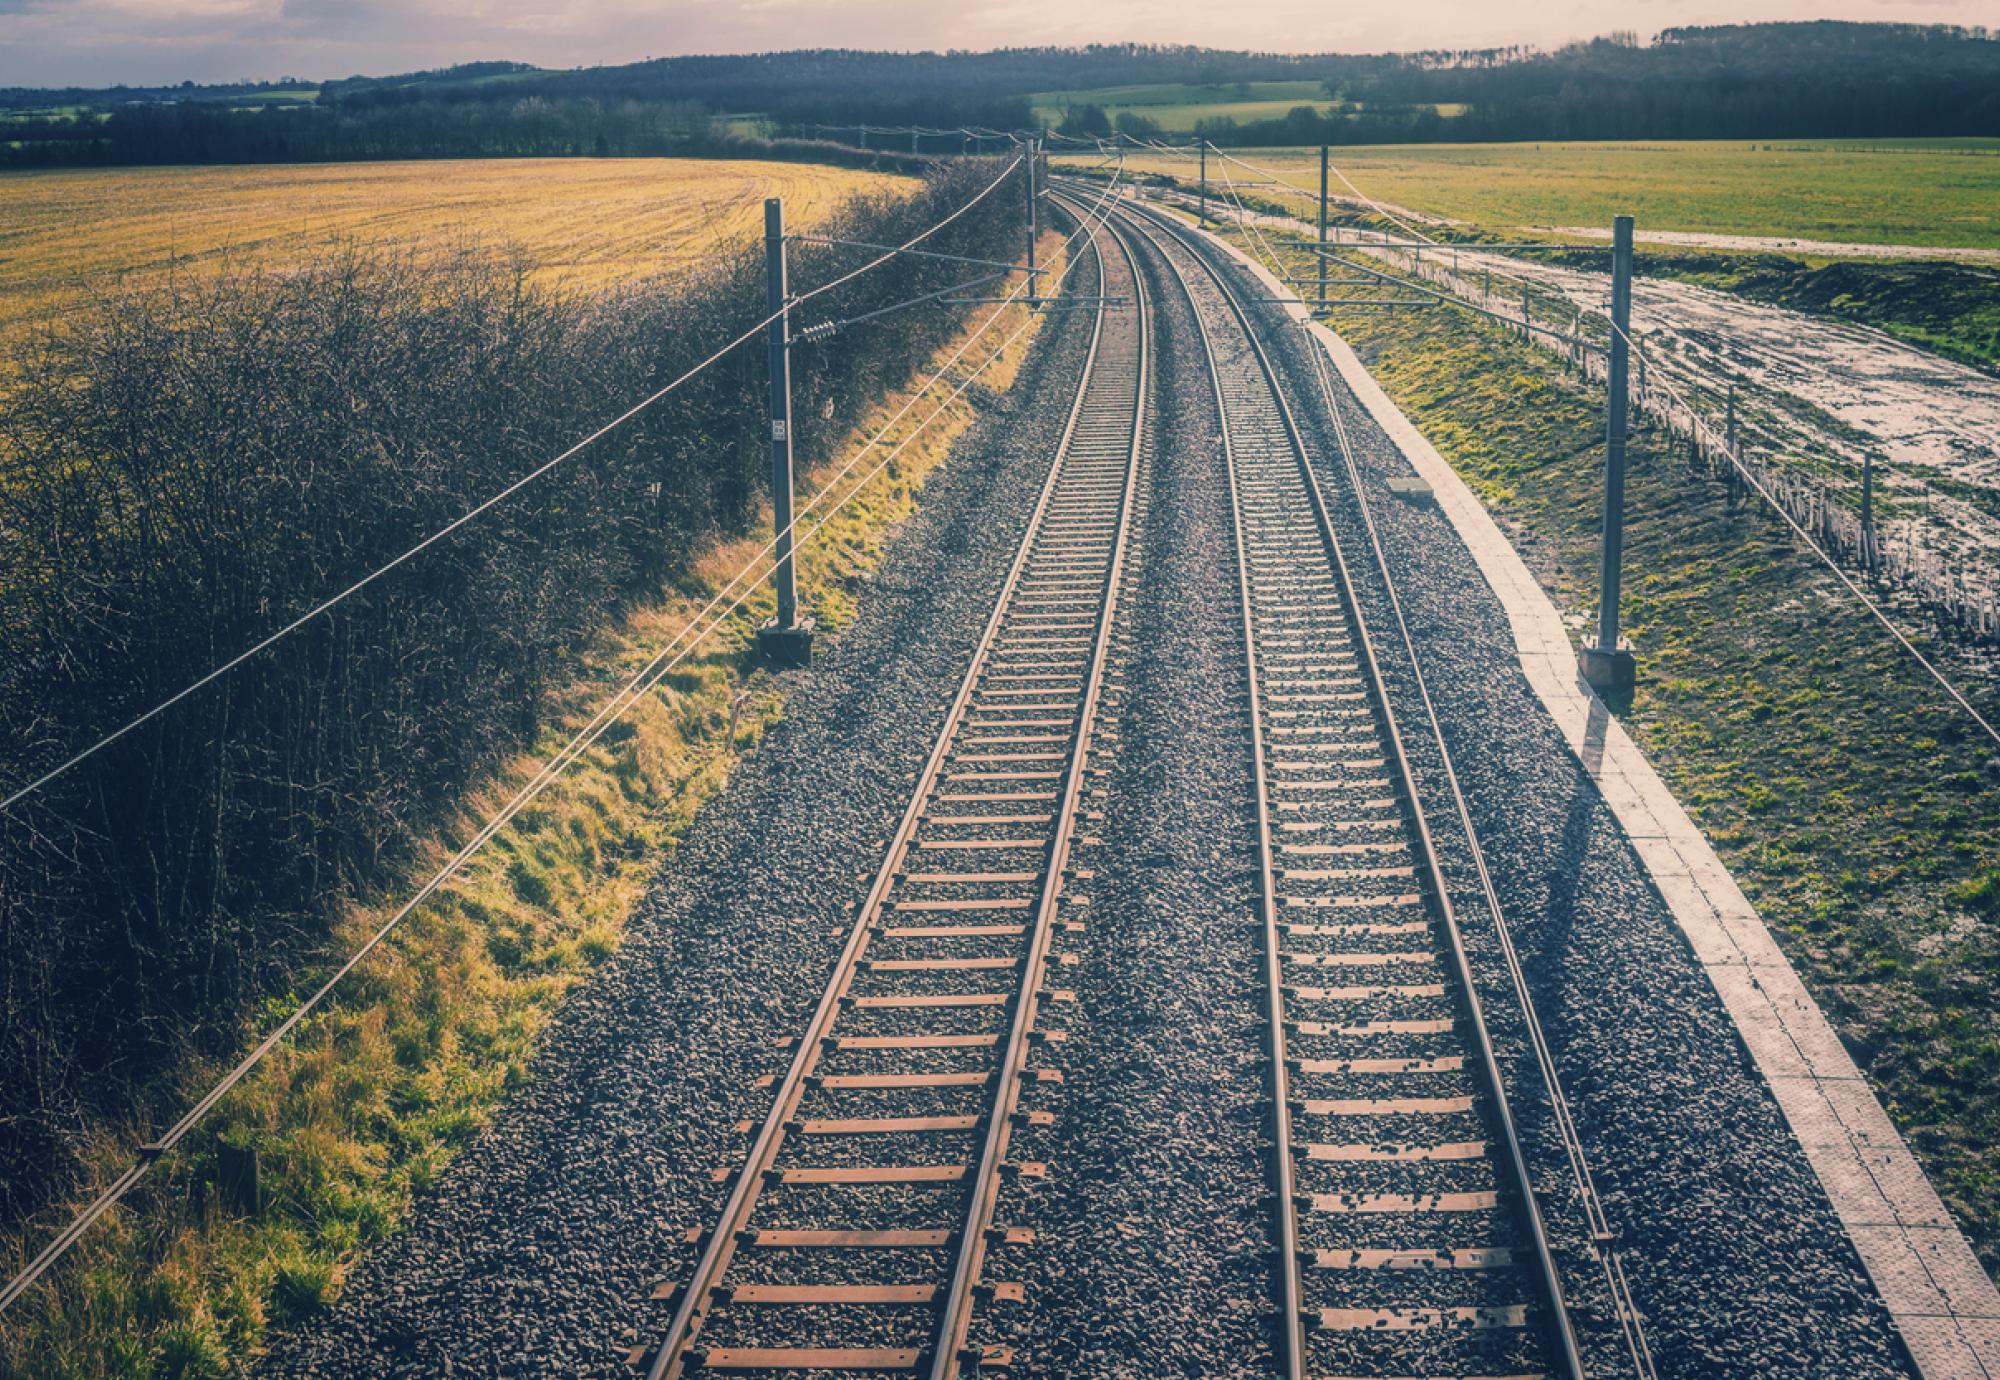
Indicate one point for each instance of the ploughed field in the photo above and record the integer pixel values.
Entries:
(68, 234)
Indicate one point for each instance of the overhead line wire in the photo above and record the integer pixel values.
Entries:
(640, 683)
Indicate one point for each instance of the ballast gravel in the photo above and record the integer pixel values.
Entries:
(1152, 1255)
(534, 1253)
(536, 1250)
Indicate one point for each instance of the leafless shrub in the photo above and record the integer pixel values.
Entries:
(183, 471)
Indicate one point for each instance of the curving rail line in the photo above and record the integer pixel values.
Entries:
(855, 1236)
(1411, 1241)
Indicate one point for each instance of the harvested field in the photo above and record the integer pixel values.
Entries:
(580, 222)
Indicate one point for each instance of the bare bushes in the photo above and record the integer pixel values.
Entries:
(184, 472)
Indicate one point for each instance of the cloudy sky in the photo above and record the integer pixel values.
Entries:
(101, 42)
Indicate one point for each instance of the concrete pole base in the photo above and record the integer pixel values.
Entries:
(1609, 671)
(1412, 489)
(786, 647)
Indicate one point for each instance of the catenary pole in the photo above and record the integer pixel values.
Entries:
(1605, 666)
(1322, 226)
(1868, 509)
(1034, 230)
(777, 336)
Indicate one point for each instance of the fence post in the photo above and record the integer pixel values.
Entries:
(1607, 667)
(1868, 509)
(236, 1178)
(784, 640)
(1730, 475)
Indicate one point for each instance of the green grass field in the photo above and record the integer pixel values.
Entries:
(1936, 192)
(1175, 106)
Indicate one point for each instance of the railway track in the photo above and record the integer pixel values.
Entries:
(1409, 1238)
(858, 1234)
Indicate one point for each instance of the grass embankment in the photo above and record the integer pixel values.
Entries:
(369, 1101)
(1938, 192)
(583, 222)
(1858, 809)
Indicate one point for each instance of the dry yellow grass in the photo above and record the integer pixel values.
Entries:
(584, 222)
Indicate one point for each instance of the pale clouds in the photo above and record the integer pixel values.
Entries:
(99, 42)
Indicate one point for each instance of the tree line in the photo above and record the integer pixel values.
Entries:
(525, 127)
(184, 470)
(1813, 80)
(1807, 80)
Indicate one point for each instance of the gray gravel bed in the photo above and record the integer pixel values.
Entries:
(1152, 1257)
(1509, 1350)
(535, 1252)
(1736, 1259)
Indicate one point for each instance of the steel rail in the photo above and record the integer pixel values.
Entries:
(697, 1295)
(1559, 1326)
(1603, 1234)
(972, 1240)
(1290, 1284)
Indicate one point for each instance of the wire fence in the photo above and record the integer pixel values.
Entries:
(1894, 553)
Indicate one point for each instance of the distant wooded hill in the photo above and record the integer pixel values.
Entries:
(1811, 80)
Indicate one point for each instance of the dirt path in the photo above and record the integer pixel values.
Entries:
(1817, 393)
(1823, 393)
(1781, 244)
(1919, 408)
